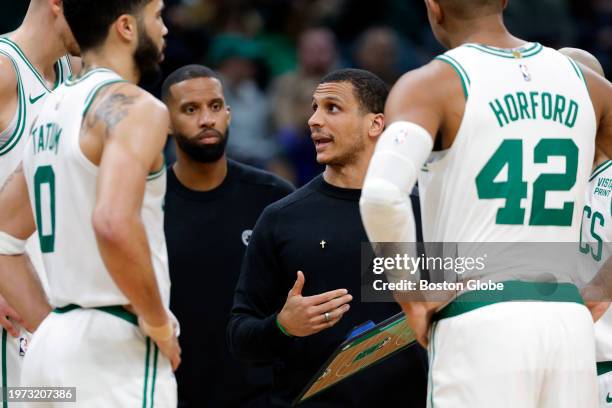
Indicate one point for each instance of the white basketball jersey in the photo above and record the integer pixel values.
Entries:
(596, 244)
(518, 167)
(31, 92)
(62, 187)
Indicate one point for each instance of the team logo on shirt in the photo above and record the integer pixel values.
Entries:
(400, 138)
(525, 72)
(23, 346)
(246, 236)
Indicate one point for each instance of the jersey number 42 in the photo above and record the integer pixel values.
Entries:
(510, 153)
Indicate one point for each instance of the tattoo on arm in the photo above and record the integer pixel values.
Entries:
(14, 174)
(110, 111)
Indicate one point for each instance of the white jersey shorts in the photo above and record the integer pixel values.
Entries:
(514, 354)
(102, 353)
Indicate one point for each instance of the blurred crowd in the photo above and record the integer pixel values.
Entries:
(272, 53)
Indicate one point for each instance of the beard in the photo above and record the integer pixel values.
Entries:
(202, 153)
(147, 58)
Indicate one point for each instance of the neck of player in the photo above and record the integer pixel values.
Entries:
(489, 30)
(36, 30)
(199, 176)
(349, 175)
(121, 63)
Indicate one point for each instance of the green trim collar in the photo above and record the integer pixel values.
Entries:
(528, 50)
(600, 169)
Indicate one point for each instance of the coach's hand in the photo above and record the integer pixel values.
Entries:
(306, 315)
(166, 339)
(6, 313)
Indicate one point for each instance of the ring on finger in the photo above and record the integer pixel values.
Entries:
(327, 319)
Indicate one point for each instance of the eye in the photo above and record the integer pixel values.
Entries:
(314, 107)
(216, 107)
(333, 108)
(189, 109)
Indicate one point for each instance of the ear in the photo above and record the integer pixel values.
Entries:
(229, 115)
(435, 11)
(126, 28)
(56, 7)
(504, 4)
(377, 125)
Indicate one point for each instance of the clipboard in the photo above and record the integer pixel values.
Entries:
(366, 345)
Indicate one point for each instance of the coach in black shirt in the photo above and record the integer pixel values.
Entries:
(210, 209)
(279, 314)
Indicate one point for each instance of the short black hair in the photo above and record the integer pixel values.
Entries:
(185, 73)
(90, 20)
(469, 9)
(370, 90)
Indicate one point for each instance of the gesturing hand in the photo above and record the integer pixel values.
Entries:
(306, 315)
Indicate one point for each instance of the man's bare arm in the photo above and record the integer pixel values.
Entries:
(423, 103)
(19, 283)
(600, 91)
(8, 92)
(133, 127)
(598, 292)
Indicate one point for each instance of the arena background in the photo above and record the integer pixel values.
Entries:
(271, 54)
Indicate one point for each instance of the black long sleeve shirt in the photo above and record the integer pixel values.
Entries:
(207, 234)
(288, 237)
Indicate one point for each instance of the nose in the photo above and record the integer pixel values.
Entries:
(316, 120)
(206, 119)
(164, 29)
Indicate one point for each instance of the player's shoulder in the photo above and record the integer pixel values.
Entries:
(261, 178)
(8, 73)
(428, 78)
(140, 102)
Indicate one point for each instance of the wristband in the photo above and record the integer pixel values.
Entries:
(281, 328)
(9, 245)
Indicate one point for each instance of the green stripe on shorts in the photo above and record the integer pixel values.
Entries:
(4, 379)
(154, 375)
(146, 374)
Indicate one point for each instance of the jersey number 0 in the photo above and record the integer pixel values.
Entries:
(44, 197)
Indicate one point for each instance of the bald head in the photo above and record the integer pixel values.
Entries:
(585, 58)
(470, 9)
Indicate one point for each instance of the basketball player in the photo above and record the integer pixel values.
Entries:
(29, 71)
(507, 112)
(92, 183)
(595, 233)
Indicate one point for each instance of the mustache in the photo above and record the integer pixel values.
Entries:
(317, 136)
(203, 133)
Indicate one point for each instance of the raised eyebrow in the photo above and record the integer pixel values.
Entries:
(188, 103)
(333, 99)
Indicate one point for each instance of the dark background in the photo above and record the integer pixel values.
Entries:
(260, 39)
